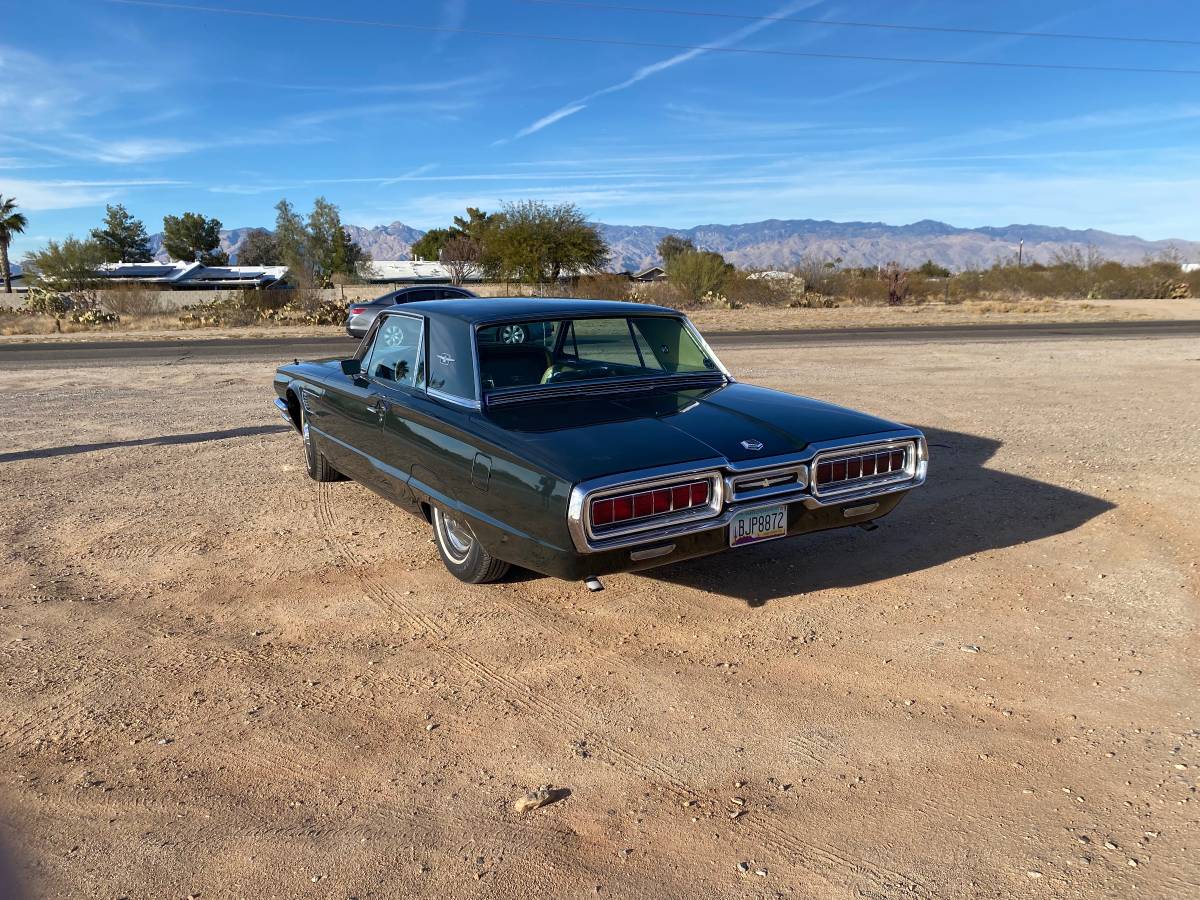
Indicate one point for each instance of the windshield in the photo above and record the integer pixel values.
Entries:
(534, 353)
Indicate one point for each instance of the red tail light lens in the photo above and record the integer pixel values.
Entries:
(357, 310)
(864, 465)
(647, 504)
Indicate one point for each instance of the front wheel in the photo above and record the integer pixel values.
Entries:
(461, 551)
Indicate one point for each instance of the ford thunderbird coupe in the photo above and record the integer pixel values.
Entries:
(578, 438)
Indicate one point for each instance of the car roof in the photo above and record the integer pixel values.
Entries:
(497, 309)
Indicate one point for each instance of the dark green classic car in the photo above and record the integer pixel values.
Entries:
(606, 437)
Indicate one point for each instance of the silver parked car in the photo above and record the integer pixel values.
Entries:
(360, 315)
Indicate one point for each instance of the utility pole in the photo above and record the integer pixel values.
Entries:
(1020, 252)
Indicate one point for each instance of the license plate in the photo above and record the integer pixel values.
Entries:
(763, 523)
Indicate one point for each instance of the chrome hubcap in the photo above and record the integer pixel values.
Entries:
(456, 537)
(513, 334)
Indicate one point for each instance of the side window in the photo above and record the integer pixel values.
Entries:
(418, 296)
(398, 353)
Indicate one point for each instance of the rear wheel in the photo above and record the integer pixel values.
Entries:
(461, 551)
(317, 465)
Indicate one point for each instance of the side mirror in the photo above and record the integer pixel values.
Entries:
(351, 367)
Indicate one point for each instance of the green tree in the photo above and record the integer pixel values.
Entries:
(123, 238)
(477, 224)
(291, 240)
(330, 247)
(930, 269)
(11, 223)
(699, 272)
(69, 265)
(536, 242)
(258, 248)
(193, 236)
(672, 245)
(431, 243)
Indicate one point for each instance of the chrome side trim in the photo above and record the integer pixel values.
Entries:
(451, 398)
(285, 412)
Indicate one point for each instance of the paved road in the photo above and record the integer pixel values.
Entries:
(272, 349)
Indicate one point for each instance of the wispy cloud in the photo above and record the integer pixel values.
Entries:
(417, 88)
(454, 13)
(663, 65)
(48, 195)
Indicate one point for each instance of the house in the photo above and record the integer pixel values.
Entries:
(1190, 267)
(654, 273)
(192, 275)
(771, 276)
(410, 271)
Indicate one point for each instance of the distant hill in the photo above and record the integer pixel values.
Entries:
(782, 243)
(779, 244)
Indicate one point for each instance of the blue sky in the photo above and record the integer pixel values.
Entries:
(167, 110)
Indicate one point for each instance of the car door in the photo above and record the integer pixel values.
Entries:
(397, 376)
(437, 429)
(350, 417)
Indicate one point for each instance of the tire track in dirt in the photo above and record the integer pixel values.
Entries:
(771, 834)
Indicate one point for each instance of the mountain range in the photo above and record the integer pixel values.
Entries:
(784, 243)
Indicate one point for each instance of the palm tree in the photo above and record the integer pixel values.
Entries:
(11, 222)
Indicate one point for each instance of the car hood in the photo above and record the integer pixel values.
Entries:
(582, 438)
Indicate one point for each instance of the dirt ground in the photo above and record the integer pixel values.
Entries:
(221, 679)
(763, 318)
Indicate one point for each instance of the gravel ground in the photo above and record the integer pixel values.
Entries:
(223, 680)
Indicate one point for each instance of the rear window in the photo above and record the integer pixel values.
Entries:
(535, 353)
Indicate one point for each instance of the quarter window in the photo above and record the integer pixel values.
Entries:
(397, 355)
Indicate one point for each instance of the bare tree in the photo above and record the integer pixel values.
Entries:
(461, 257)
(896, 280)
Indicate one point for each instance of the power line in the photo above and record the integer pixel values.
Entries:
(947, 29)
(655, 45)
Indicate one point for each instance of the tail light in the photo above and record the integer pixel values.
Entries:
(639, 505)
(843, 472)
(357, 310)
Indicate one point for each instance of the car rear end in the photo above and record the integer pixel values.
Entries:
(359, 317)
(638, 520)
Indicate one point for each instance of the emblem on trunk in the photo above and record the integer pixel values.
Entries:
(445, 359)
(752, 444)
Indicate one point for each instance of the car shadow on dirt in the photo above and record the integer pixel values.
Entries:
(160, 440)
(963, 509)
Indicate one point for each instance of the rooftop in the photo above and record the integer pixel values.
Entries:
(496, 309)
(192, 274)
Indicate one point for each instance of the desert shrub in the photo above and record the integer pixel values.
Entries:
(132, 301)
(249, 307)
(698, 273)
(603, 286)
(79, 306)
(742, 290)
(661, 293)
(45, 302)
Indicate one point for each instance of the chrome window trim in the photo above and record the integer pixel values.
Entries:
(453, 398)
(585, 491)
